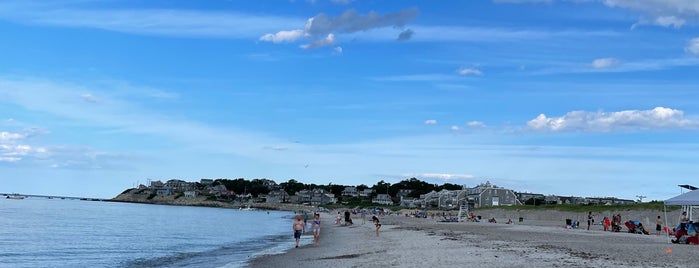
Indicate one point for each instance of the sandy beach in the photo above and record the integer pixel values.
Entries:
(416, 242)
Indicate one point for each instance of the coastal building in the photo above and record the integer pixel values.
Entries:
(277, 196)
(530, 198)
(206, 182)
(350, 191)
(366, 193)
(315, 197)
(190, 194)
(383, 199)
(488, 195)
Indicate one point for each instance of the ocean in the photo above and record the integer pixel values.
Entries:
(40, 232)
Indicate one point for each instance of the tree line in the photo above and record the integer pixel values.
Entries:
(256, 187)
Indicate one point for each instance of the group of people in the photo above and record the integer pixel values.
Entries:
(299, 225)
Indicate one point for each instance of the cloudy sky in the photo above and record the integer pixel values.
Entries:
(584, 98)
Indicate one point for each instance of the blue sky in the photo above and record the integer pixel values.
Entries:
(584, 98)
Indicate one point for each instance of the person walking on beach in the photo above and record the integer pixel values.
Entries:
(298, 229)
(315, 227)
(377, 223)
(658, 225)
(590, 220)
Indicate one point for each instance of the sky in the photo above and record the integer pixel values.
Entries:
(589, 98)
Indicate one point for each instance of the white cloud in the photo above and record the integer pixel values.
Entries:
(162, 22)
(283, 36)
(9, 136)
(430, 122)
(338, 50)
(441, 176)
(693, 46)
(475, 124)
(455, 128)
(322, 28)
(604, 63)
(13, 148)
(659, 118)
(327, 41)
(469, 71)
(667, 21)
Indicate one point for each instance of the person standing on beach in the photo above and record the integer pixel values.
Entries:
(298, 229)
(377, 223)
(315, 227)
(684, 220)
(606, 223)
(658, 225)
(305, 220)
(363, 216)
(590, 220)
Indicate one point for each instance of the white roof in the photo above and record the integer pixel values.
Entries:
(690, 198)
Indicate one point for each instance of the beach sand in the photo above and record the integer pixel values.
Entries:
(416, 242)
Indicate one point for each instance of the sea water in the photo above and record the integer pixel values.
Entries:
(40, 232)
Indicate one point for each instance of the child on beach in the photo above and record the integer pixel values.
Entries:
(298, 229)
(658, 225)
(377, 223)
(607, 223)
(315, 227)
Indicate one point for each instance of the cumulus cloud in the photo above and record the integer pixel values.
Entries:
(693, 46)
(604, 63)
(327, 41)
(13, 149)
(322, 26)
(9, 136)
(338, 50)
(430, 122)
(282, 36)
(658, 118)
(455, 128)
(469, 71)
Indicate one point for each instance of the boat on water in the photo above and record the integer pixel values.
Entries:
(247, 208)
(15, 196)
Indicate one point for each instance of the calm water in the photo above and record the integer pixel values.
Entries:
(38, 232)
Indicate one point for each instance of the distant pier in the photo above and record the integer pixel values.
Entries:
(55, 197)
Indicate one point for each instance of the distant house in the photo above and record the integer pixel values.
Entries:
(530, 197)
(159, 188)
(350, 191)
(383, 199)
(220, 191)
(206, 182)
(190, 194)
(487, 195)
(277, 196)
(315, 197)
(366, 193)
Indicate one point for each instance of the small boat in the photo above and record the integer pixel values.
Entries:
(15, 196)
(247, 208)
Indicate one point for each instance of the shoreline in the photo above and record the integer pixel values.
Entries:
(416, 242)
